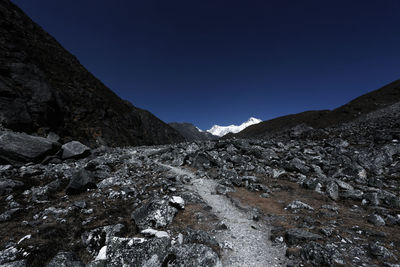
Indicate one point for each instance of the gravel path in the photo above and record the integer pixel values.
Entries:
(245, 242)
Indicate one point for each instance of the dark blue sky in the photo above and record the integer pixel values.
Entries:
(221, 62)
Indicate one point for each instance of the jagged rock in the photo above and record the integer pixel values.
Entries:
(295, 236)
(297, 204)
(137, 251)
(65, 259)
(297, 165)
(74, 149)
(96, 238)
(376, 220)
(332, 190)
(20, 147)
(317, 255)
(154, 214)
(80, 182)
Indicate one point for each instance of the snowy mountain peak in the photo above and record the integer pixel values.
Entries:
(223, 130)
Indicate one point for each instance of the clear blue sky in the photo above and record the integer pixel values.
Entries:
(220, 62)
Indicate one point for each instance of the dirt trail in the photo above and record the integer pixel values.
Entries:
(246, 242)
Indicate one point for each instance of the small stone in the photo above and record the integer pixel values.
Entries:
(376, 220)
(177, 202)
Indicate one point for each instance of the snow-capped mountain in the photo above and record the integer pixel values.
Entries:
(223, 130)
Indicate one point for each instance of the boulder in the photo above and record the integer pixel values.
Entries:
(154, 214)
(295, 236)
(80, 182)
(75, 150)
(377, 220)
(137, 251)
(21, 147)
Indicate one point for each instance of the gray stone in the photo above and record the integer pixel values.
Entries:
(332, 190)
(7, 185)
(376, 220)
(379, 251)
(154, 214)
(80, 182)
(296, 236)
(74, 149)
(65, 259)
(137, 251)
(297, 204)
(21, 147)
(315, 254)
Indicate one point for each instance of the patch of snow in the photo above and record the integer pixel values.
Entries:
(152, 232)
(102, 254)
(25, 237)
(178, 201)
(223, 130)
(200, 130)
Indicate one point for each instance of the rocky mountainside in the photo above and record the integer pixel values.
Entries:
(364, 104)
(304, 197)
(43, 89)
(191, 132)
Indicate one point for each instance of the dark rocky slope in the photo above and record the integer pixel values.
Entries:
(364, 104)
(44, 88)
(191, 133)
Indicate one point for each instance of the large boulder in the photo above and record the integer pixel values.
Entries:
(80, 181)
(75, 150)
(137, 251)
(296, 236)
(21, 147)
(154, 214)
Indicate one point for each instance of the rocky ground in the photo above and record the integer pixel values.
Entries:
(306, 197)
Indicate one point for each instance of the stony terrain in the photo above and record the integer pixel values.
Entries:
(321, 197)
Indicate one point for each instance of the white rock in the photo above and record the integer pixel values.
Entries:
(152, 232)
(102, 254)
(178, 202)
(25, 237)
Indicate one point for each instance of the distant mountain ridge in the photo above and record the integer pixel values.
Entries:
(372, 101)
(223, 130)
(43, 88)
(191, 132)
